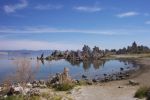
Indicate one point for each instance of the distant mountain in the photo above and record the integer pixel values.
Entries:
(33, 53)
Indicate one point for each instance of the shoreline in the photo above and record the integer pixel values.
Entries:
(117, 90)
(110, 90)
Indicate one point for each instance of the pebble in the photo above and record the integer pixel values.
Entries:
(89, 82)
(0, 89)
(120, 87)
(133, 83)
(29, 85)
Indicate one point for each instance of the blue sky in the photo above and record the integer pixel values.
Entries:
(69, 24)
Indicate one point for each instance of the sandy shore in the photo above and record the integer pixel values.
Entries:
(116, 90)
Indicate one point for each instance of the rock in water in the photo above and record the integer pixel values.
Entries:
(121, 69)
(83, 76)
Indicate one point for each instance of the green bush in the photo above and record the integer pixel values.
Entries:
(46, 95)
(20, 97)
(34, 98)
(141, 92)
(64, 86)
(17, 97)
(56, 98)
(82, 82)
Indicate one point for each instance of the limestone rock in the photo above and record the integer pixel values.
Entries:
(29, 85)
(84, 76)
(15, 89)
(41, 82)
(0, 89)
(89, 82)
(133, 83)
(34, 92)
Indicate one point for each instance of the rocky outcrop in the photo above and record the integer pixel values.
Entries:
(39, 84)
(61, 78)
(85, 54)
(41, 57)
(97, 53)
(16, 89)
(34, 92)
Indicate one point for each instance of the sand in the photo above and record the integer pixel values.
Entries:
(109, 91)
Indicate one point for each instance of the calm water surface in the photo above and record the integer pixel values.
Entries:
(76, 69)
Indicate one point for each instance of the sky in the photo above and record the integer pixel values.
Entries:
(69, 24)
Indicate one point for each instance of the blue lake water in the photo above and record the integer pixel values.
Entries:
(49, 68)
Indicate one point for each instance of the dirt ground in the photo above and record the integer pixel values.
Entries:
(107, 91)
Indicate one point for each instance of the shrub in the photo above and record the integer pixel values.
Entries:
(56, 98)
(45, 95)
(20, 97)
(82, 82)
(17, 97)
(64, 86)
(141, 92)
(34, 98)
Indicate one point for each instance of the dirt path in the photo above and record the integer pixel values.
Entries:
(118, 90)
(144, 77)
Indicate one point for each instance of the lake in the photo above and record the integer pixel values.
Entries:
(45, 69)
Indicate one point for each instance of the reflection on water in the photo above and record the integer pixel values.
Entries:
(97, 64)
(74, 62)
(86, 64)
(43, 69)
(42, 61)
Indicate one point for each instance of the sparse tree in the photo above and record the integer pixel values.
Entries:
(24, 71)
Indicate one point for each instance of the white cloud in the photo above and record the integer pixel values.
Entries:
(127, 14)
(88, 8)
(41, 30)
(13, 8)
(47, 30)
(147, 22)
(47, 7)
(36, 45)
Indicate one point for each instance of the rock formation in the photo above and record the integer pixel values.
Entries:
(61, 78)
